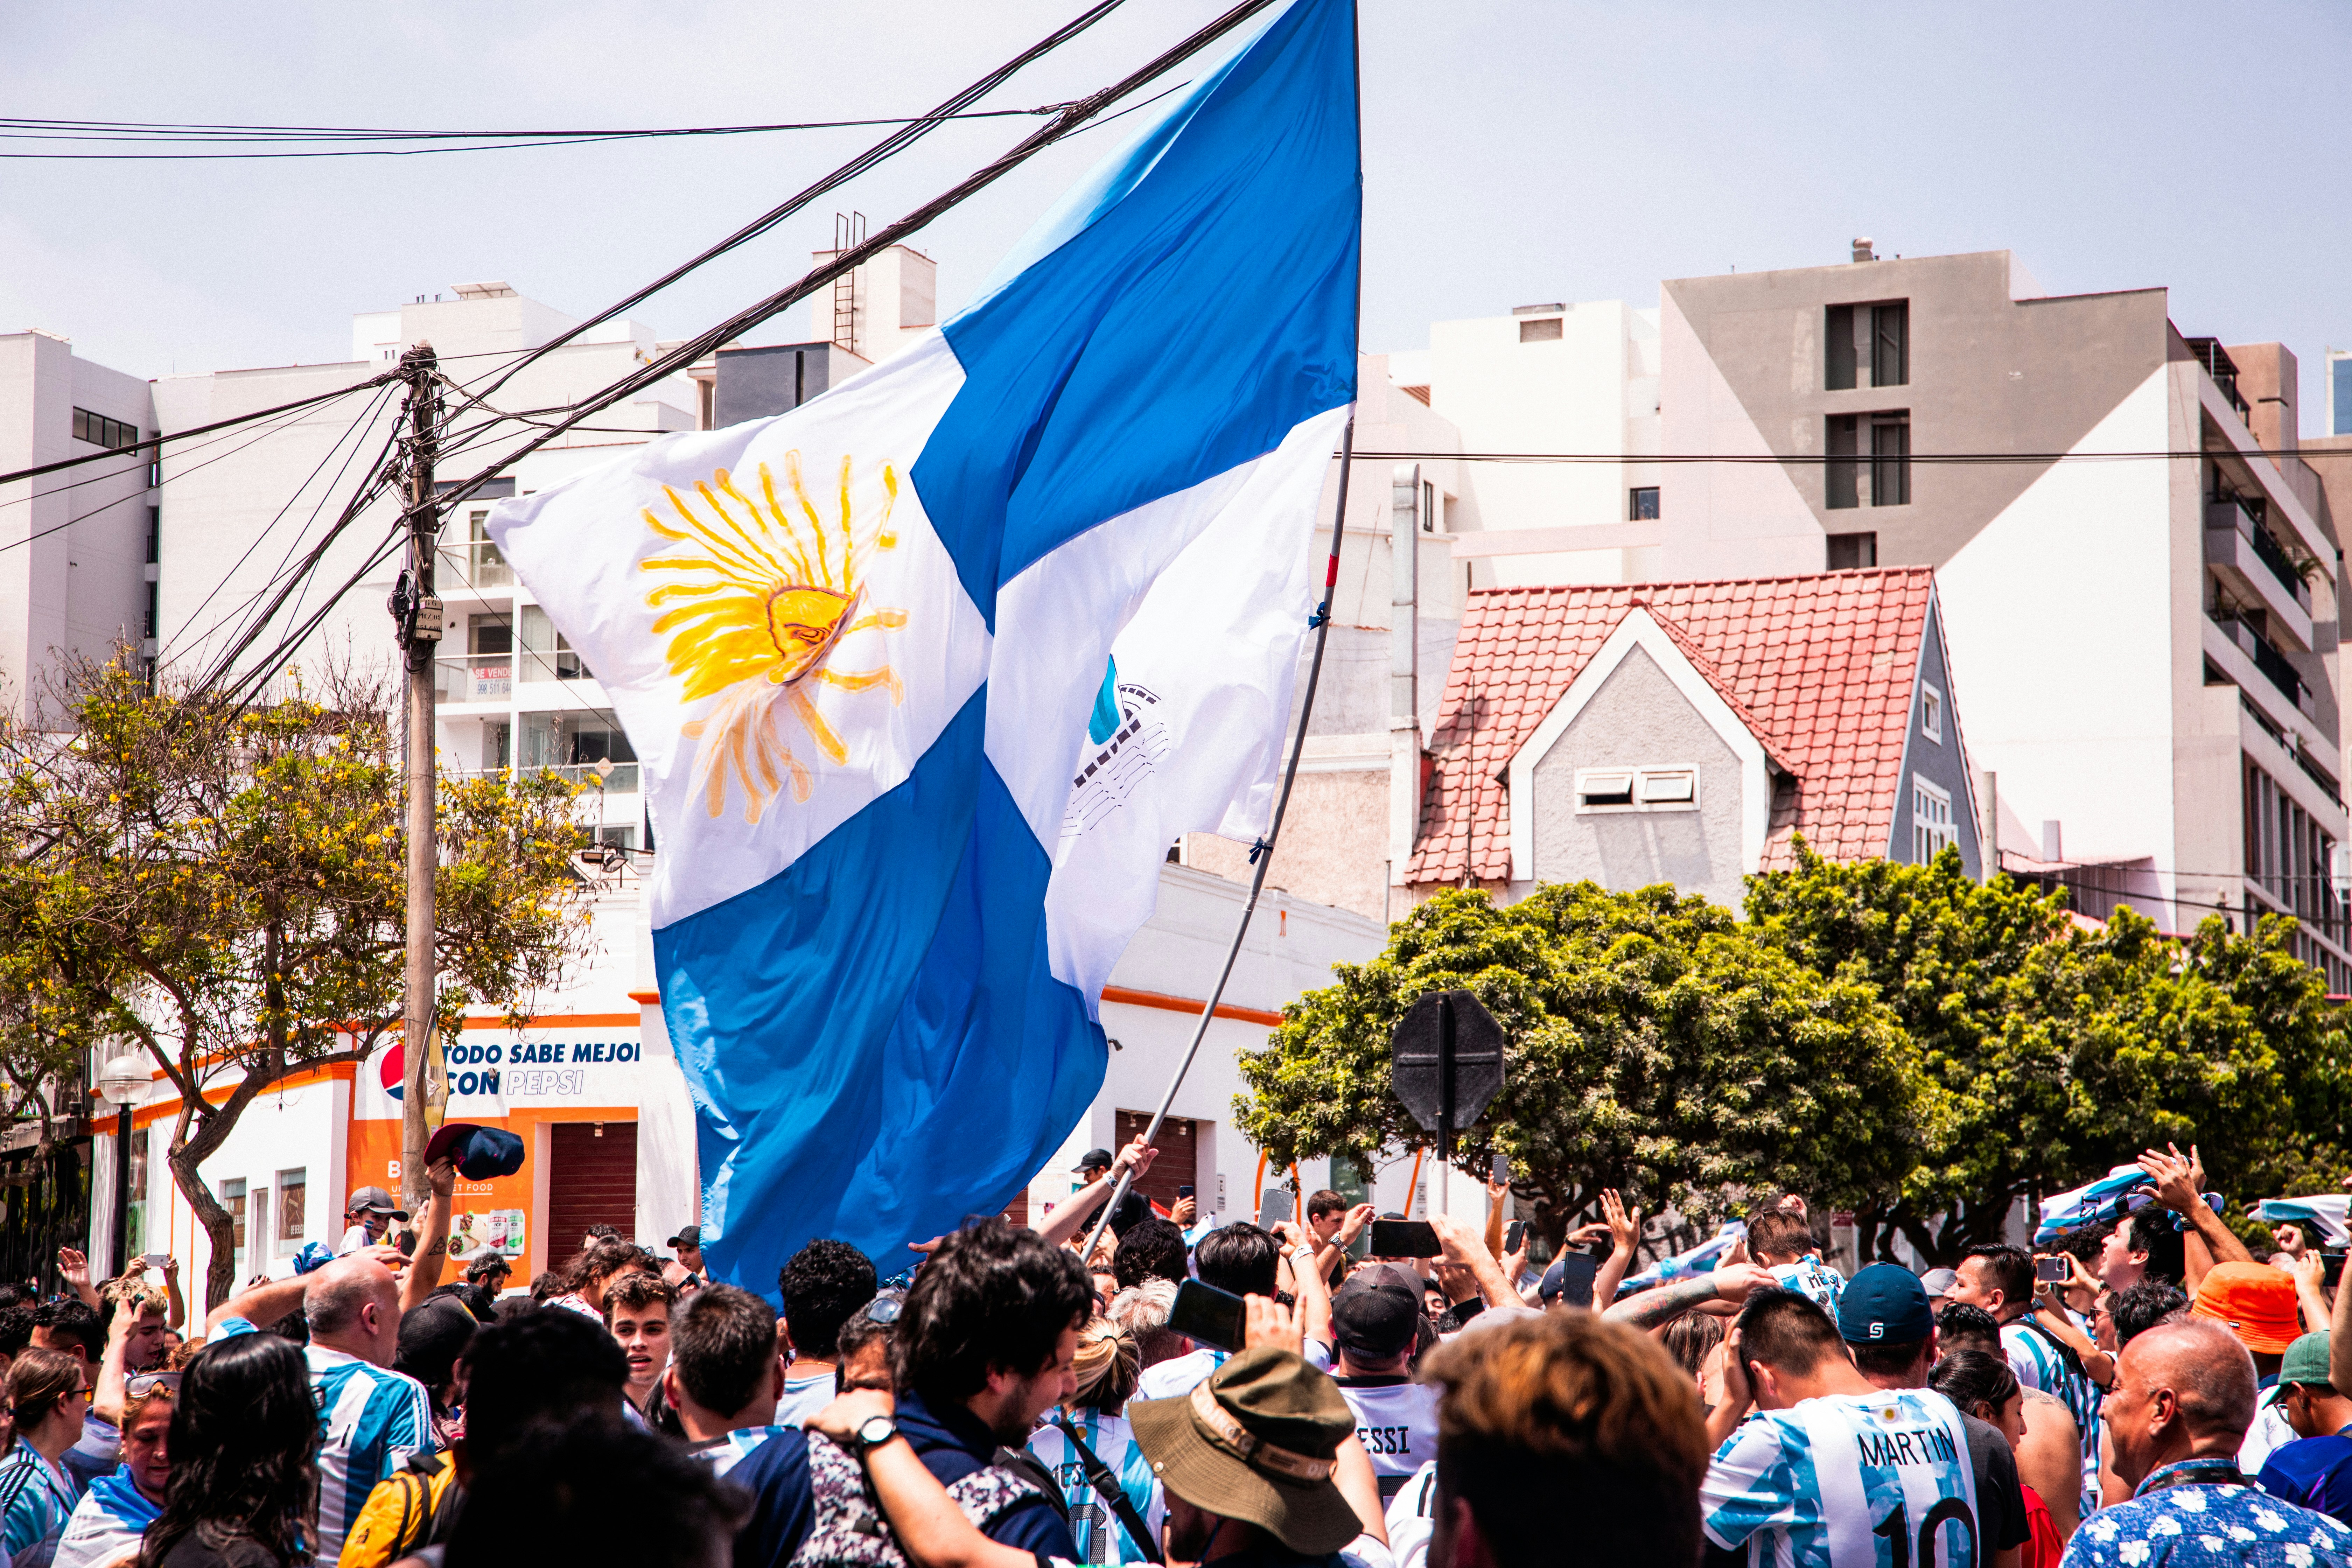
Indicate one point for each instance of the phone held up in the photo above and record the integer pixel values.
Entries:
(1274, 1208)
(2052, 1269)
(1185, 1191)
(1208, 1316)
(1404, 1239)
(1513, 1235)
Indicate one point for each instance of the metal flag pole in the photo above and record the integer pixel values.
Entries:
(1262, 854)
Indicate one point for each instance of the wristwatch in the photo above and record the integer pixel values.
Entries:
(873, 1432)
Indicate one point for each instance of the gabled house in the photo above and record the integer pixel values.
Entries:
(1685, 732)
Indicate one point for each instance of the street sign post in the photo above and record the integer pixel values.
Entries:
(1445, 1063)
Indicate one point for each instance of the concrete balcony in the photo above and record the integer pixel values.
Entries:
(2243, 556)
(481, 677)
(2258, 669)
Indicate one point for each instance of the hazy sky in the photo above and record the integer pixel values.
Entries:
(1513, 153)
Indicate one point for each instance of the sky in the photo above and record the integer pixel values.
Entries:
(1513, 154)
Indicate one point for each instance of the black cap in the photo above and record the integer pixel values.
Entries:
(1093, 1160)
(687, 1235)
(1375, 1323)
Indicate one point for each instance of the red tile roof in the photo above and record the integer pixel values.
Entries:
(1819, 667)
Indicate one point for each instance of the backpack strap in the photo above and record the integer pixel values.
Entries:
(1107, 1487)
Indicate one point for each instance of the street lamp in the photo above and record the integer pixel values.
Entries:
(122, 1081)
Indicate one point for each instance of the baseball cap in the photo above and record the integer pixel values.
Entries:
(2306, 1361)
(374, 1200)
(1093, 1160)
(1939, 1282)
(480, 1154)
(687, 1235)
(2253, 1301)
(1885, 1304)
(1376, 1320)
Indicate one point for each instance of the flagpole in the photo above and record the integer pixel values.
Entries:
(1263, 854)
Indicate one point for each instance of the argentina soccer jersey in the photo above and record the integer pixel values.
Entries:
(1875, 1480)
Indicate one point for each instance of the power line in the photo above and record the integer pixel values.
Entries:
(158, 439)
(119, 132)
(1632, 460)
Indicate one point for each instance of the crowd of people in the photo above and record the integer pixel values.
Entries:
(2144, 1391)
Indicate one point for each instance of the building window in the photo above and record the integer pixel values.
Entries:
(1644, 503)
(1841, 476)
(1931, 821)
(1541, 329)
(573, 743)
(1877, 335)
(1665, 786)
(1931, 713)
(548, 654)
(100, 431)
(2339, 395)
(1890, 460)
(1852, 552)
(293, 1205)
(154, 534)
(2289, 857)
(1433, 508)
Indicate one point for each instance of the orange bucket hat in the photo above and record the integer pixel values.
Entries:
(2253, 1300)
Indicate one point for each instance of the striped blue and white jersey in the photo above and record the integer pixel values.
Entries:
(372, 1420)
(1809, 1276)
(1100, 1537)
(35, 1500)
(1847, 1480)
(2035, 1360)
(723, 1453)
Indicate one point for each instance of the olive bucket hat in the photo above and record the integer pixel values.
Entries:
(1257, 1442)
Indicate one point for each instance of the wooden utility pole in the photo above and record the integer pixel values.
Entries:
(417, 611)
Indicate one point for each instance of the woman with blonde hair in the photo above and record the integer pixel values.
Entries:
(1091, 1449)
(106, 1526)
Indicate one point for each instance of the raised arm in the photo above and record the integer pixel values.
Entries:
(1068, 1223)
(432, 1237)
(179, 1313)
(1307, 1283)
(1351, 1225)
(74, 1268)
(108, 1396)
(1731, 1283)
(2178, 1179)
(1625, 1234)
(259, 1305)
(1464, 1249)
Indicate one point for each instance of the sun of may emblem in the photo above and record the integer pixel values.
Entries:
(762, 607)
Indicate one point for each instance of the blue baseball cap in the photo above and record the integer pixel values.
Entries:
(1885, 1304)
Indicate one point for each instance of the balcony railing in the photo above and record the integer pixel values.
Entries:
(2228, 512)
(2276, 668)
(472, 677)
(481, 565)
(2222, 369)
(624, 779)
(558, 664)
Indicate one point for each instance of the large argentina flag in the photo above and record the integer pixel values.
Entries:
(910, 806)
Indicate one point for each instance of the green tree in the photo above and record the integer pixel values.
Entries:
(221, 887)
(1653, 1045)
(2050, 1052)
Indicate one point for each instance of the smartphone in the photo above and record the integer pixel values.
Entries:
(155, 1259)
(2052, 1269)
(2332, 1268)
(1512, 1234)
(1501, 1169)
(1208, 1316)
(1274, 1208)
(1404, 1239)
(1576, 1272)
(1185, 1191)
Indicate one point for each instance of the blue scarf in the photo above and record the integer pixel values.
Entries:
(124, 1501)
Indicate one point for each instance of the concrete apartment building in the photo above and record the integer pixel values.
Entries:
(77, 547)
(2146, 645)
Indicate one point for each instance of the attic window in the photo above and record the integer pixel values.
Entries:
(1540, 330)
(1598, 788)
(1677, 787)
(1931, 713)
(1663, 787)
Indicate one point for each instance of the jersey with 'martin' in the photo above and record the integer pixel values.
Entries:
(1847, 1480)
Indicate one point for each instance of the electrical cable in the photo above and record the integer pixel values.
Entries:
(694, 348)
(120, 132)
(1861, 459)
(889, 147)
(157, 440)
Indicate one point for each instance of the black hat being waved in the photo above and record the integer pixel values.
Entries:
(1257, 1443)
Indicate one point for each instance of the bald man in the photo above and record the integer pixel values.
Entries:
(374, 1418)
(2183, 1398)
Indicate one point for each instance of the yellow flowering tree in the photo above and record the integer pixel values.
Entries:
(221, 886)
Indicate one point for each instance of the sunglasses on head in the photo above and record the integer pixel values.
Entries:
(147, 1382)
(884, 1310)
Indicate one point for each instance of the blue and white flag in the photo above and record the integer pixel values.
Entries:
(1699, 1260)
(924, 675)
